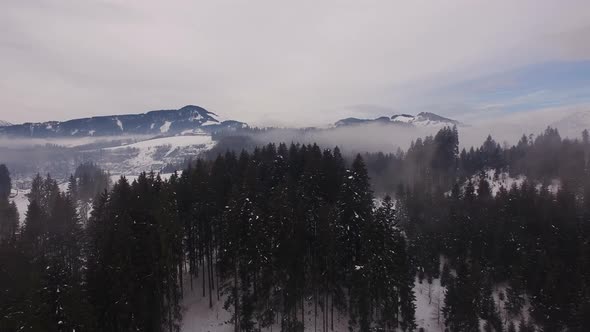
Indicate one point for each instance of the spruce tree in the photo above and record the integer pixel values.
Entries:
(5, 182)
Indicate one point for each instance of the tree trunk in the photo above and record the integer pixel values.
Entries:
(209, 268)
(236, 299)
(204, 276)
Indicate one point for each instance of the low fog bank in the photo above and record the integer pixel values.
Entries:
(507, 128)
(353, 139)
(59, 156)
(25, 157)
(69, 142)
(389, 138)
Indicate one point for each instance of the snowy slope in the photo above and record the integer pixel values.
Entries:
(5, 123)
(153, 154)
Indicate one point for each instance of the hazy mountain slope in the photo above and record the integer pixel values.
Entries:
(189, 118)
(424, 119)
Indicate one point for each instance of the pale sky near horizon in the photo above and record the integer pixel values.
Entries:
(291, 63)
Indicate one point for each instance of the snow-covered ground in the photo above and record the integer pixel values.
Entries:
(19, 197)
(197, 316)
(430, 299)
(173, 142)
(153, 154)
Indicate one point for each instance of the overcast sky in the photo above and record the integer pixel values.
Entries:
(286, 62)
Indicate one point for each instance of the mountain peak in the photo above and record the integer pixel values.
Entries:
(5, 123)
(194, 108)
(435, 117)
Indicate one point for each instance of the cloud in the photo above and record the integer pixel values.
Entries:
(266, 62)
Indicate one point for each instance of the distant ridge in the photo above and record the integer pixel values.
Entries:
(423, 119)
(188, 119)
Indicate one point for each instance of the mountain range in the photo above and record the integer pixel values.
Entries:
(188, 119)
(423, 119)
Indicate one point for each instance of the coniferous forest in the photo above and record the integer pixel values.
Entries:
(282, 232)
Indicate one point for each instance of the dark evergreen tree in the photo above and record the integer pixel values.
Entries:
(5, 182)
(460, 308)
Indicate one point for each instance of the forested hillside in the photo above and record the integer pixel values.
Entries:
(271, 230)
(284, 232)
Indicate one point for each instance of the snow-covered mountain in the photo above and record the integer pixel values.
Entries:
(188, 119)
(424, 119)
(5, 123)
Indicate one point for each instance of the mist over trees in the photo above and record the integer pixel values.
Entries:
(437, 163)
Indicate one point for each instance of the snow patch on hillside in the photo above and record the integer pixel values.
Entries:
(120, 124)
(165, 127)
(209, 123)
(404, 118)
(499, 180)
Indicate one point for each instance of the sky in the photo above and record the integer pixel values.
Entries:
(294, 63)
